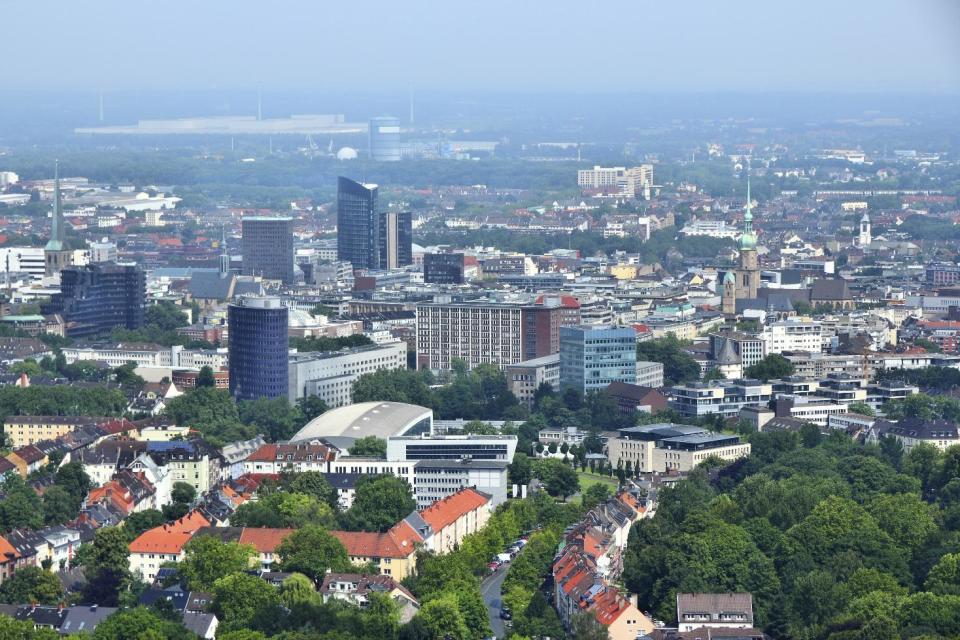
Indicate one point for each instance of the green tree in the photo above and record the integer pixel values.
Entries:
(212, 412)
(276, 418)
(31, 584)
(585, 626)
(311, 483)
(442, 619)
(370, 446)
(311, 407)
(183, 493)
(205, 377)
(521, 469)
(312, 551)
(298, 591)
(243, 601)
(11, 629)
(58, 505)
(904, 517)
(678, 365)
(208, 559)
(774, 366)
(559, 478)
(107, 571)
(862, 408)
(379, 503)
(139, 623)
(393, 385)
(944, 577)
(140, 521)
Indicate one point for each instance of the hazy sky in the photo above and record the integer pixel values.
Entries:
(610, 45)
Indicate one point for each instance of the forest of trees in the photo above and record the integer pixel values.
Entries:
(834, 539)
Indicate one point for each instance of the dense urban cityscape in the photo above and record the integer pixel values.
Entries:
(435, 363)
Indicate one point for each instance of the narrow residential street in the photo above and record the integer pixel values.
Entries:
(490, 590)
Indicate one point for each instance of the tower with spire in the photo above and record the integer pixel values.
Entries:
(865, 237)
(56, 256)
(748, 276)
(224, 254)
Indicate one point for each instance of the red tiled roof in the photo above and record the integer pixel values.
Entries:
(265, 540)
(399, 542)
(7, 551)
(171, 537)
(279, 453)
(446, 511)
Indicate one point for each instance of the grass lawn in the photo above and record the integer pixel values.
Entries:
(587, 479)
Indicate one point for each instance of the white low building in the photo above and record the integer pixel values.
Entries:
(331, 376)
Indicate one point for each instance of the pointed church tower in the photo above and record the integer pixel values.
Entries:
(224, 254)
(748, 278)
(865, 236)
(56, 256)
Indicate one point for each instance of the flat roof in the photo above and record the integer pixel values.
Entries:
(467, 464)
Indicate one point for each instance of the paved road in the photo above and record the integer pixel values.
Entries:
(490, 589)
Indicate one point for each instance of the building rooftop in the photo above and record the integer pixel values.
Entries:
(380, 419)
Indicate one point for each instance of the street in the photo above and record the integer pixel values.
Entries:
(490, 590)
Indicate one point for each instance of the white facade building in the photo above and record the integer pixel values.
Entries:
(331, 376)
(792, 335)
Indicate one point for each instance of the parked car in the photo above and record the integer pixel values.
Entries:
(493, 566)
(505, 614)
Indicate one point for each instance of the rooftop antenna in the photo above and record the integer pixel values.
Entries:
(411, 104)
(101, 105)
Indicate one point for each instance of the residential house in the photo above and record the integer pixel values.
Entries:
(452, 518)
(163, 544)
(714, 611)
(357, 589)
(299, 457)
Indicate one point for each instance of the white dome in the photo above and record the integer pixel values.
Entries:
(347, 153)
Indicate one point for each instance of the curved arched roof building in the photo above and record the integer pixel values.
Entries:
(341, 426)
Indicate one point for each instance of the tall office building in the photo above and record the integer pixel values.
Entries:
(258, 348)
(358, 224)
(443, 268)
(479, 332)
(593, 357)
(396, 239)
(56, 255)
(268, 248)
(97, 298)
(385, 139)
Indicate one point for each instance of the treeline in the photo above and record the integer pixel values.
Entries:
(928, 378)
(323, 343)
(60, 400)
(22, 507)
(589, 243)
(835, 540)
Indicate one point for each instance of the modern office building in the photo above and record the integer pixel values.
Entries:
(633, 182)
(479, 332)
(749, 348)
(792, 335)
(358, 224)
(593, 357)
(98, 298)
(524, 378)
(723, 397)
(385, 139)
(437, 479)
(443, 268)
(268, 248)
(331, 375)
(671, 447)
(451, 447)
(649, 374)
(258, 348)
(396, 239)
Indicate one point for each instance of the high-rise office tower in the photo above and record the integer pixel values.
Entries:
(56, 255)
(268, 248)
(396, 239)
(258, 348)
(593, 357)
(358, 224)
(100, 297)
(443, 268)
(385, 139)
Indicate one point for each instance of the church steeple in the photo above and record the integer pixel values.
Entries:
(748, 241)
(56, 222)
(224, 255)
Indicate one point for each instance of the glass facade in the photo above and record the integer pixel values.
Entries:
(396, 239)
(443, 268)
(592, 358)
(358, 224)
(97, 298)
(258, 349)
(268, 248)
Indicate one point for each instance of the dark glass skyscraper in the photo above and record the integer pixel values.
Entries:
(358, 224)
(100, 297)
(268, 248)
(396, 239)
(258, 348)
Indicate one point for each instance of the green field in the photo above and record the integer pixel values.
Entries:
(587, 479)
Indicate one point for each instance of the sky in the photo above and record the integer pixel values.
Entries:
(513, 45)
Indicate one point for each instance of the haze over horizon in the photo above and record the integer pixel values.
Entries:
(698, 45)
